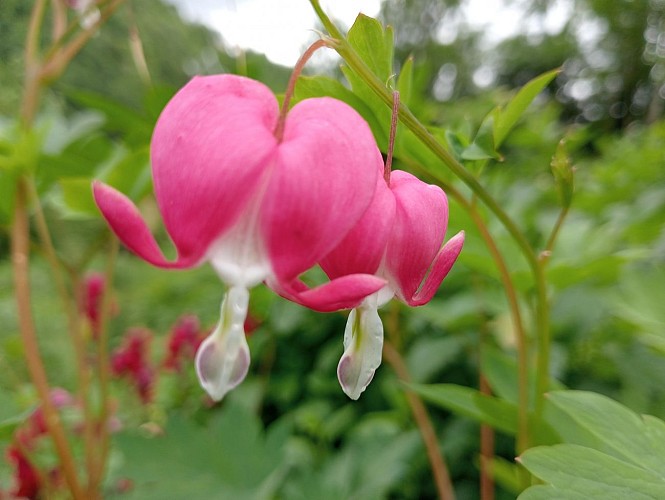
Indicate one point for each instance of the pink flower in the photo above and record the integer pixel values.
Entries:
(256, 207)
(28, 478)
(131, 359)
(399, 239)
(90, 305)
(184, 341)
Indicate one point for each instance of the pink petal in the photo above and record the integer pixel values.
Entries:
(126, 222)
(442, 264)
(363, 247)
(345, 292)
(323, 181)
(421, 219)
(211, 150)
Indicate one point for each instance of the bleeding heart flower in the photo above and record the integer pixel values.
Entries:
(399, 239)
(256, 206)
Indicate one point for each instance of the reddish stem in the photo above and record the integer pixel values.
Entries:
(391, 141)
(290, 88)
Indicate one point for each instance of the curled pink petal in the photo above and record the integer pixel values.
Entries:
(442, 264)
(345, 292)
(127, 223)
(421, 219)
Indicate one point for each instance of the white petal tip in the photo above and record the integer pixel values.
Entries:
(221, 367)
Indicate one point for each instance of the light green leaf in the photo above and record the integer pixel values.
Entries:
(497, 413)
(228, 458)
(405, 81)
(619, 431)
(585, 471)
(77, 196)
(374, 45)
(484, 144)
(518, 104)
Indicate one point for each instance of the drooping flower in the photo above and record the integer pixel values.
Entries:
(399, 239)
(256, 206)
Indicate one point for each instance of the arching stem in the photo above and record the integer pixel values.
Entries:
(297, 70)
(391, 141)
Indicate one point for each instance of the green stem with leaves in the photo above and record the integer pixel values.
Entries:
(355, 62)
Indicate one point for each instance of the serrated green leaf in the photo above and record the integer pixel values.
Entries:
(541, 492)
(228, 458)
(374, 45)
(515, 108)
(619, 431)
(588, 472)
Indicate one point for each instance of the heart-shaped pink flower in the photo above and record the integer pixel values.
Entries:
(255, 207)
(400, 239)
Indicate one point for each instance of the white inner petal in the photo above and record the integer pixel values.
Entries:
(363, 346)
(222, 360)
(239, 256)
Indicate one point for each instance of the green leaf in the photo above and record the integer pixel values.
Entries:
(501, 372)
(77, 196)
(484, 144)
(618, 430)
(131, 174)
(518, 104)
(497, 413)
(588, 472)
(373, 44)
(405, 82)
(230, 457)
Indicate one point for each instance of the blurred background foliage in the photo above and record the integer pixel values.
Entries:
(289, 431)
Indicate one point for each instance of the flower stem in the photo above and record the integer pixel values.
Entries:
(439, 470)
(391, 140)
(355, 62)
(391, 353)
(290, 88)
(21, 261)
(104, 370)
(69, 305)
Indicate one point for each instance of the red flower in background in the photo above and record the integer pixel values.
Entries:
(132, 359)
(184, 340)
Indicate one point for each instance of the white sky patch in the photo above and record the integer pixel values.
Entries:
(280, 29)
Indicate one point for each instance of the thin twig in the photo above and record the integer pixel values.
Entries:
(290, 88)
(439, 470)
(20, 238)
(391, 353)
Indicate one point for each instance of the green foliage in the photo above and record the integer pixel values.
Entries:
(609, 451)
(288, 432)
